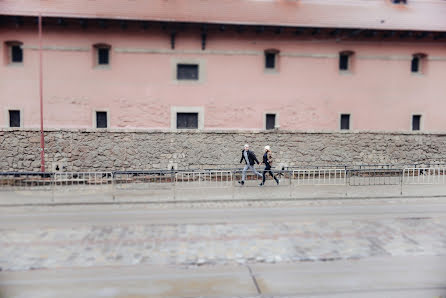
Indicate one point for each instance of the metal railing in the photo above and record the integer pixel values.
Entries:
(436, 175)
(204, 177)
(20, 180)
(82, 178)
(374, 177)
(363, 175)
(319, 177)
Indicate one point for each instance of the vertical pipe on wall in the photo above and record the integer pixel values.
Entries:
(42, 138)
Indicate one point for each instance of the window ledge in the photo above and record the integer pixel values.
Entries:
(188, 82)
(345, 72)
(15, 64)
(417, 74)
(271, 71)
(102, 67)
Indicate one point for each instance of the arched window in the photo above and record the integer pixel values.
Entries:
(14, 52)
(417, 63)
(271, 59)
(345, 60)
(102, 54)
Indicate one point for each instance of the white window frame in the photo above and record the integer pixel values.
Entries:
(349, 124)
(276, 124)
(201, 70)
(6, 113)
(421, 122)
(181, 109)
(8, 45)
(96, 48)
(422, 60)
(350, 63)
(274, 70)
(95, 120)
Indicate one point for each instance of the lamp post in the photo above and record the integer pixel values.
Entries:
(42, 137)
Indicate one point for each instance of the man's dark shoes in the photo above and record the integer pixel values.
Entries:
(261, 184)
(241, 182)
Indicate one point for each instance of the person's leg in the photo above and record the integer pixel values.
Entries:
(272, 175)
(255, 171)
(263, 176)
(244, 172)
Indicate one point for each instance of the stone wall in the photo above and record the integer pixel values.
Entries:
(85, 150)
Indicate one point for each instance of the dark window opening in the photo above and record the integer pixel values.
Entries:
(101, 119)
(103, 56)
(416, 122)
(187, 120)
(270, 60)
(270, 121)
(415, 65)
(343, 61)
(187, 72)
(16, 54)
(345, 121)
(14, 118)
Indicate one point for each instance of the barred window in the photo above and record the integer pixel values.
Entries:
(345, 59)
(101, 120)
(14, 118)
(187, 120)
(270, 121)
(345, 121)
(187, 72)
(416, 122)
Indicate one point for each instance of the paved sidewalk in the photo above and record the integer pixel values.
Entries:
(193, 193)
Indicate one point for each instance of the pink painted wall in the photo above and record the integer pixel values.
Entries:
(308, 93)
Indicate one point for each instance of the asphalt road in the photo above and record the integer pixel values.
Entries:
(415, 276)
(103, 215)
(394, 272)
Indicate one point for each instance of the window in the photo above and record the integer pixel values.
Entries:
(270, 121)
(14, 118)
(187, 120)
(416, 65)
(345, 60)
(101, 120)
(416, 122)
(14, 52)
(102, 54)
(345, 121)
(187, 72)
(271, 59)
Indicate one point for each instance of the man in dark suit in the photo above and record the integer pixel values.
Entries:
(250, 158)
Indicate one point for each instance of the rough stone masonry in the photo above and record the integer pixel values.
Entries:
(93, 150)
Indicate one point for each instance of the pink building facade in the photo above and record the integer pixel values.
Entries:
(217, 65)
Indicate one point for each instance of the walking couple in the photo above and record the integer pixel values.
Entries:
(250, 158)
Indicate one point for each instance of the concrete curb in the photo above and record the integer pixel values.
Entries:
(171, 202)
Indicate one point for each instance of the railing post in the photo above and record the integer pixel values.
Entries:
(233, 183)
(402, 179)
(113, 185)
(174, 184)
(347, 181)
